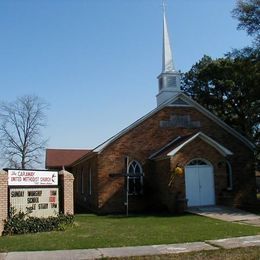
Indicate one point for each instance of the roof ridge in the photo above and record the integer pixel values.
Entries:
(188, 99)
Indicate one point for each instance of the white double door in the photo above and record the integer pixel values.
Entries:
(199, 183)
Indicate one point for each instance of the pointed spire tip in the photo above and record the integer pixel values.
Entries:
(167, 52)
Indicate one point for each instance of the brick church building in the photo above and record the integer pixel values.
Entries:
(178, 155)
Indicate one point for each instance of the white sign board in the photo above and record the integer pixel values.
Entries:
(41, 202)
(32, 178)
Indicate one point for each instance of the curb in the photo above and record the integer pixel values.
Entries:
(118, 252)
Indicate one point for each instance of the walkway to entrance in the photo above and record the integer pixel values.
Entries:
(226, 214)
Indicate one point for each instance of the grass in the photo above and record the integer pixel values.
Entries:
(91, 231)
(248, 253)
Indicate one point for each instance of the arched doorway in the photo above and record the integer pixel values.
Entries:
(199, 183)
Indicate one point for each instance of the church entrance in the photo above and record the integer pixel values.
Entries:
(199, 183)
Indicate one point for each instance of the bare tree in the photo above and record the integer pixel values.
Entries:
(21, 141)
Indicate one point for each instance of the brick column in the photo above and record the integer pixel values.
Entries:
(3, 199)
(66, 180)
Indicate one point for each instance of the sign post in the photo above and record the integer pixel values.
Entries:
(127, 186)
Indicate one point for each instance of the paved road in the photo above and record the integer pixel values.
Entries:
(133, 251)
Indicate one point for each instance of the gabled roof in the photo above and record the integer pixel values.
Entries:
(90, 154)
(163, 151)
(177, 144)
(180, 99)
(224, 151)
(57, 158)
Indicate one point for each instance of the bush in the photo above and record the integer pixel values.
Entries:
(21, 223)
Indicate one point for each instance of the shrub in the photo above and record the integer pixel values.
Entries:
(21, 223)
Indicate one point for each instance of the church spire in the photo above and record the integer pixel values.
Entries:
(169, 79)
(167, 61)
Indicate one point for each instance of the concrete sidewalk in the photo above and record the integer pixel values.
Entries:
(133, 251)
(226, 214)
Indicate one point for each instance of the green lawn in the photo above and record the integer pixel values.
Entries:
(91, 231)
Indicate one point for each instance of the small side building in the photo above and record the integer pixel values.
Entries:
(58, 159)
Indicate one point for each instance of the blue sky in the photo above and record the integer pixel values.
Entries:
(96, 61)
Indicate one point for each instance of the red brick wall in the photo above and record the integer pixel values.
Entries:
(172, 192)
(66, 182)
(148, 137)
(3, 199)
(86, 196)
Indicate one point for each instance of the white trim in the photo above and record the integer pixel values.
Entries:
(218, 121)
(82, 180)
(90, 182)
(78, 180)
(224, 151)
(138, 177)
(139, 165)
(185, 104)
(199, 159)
(88, 155)
(102, 146)
(164, 147)
(194, 104)
(179, 105)
(230, 175)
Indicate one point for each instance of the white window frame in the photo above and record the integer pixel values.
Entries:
(229, 175)
(190, 163)
(82, 180)
(90, 181)
(78, 180)
(137, 177)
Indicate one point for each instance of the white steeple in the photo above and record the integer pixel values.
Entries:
(167, 61)
(169, 79)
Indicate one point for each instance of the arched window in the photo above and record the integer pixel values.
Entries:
(229, 176)
(135, 178)
(197, 162)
